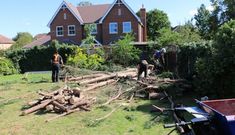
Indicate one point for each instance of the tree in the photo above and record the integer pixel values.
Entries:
(85, 3)
(216, 73)
(188, 33)
(168, 37)
(202, 19)
(124, 52)
(21, 39)
(156, 20)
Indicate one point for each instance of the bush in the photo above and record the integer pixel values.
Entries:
(124, 53)
(82, 60)
(6, 67)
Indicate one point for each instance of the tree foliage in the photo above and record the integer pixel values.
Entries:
(124, 52)
(217, 73)
(203, 23)
(156, 20)
(22, 39)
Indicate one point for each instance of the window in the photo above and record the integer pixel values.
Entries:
(93, 28)
(71, 30)
(113, 28)
(119, 12)
(59, 31)
(65, 16)
(126, 27)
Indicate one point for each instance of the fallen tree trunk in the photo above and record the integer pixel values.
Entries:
(98, 79)
(42, 105)
(37, 107)
(60, 106)
(84, 77)
(101, 84)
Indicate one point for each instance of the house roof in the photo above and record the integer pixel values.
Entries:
(71, 8)
(93, 13)
(5, 40)
(128, 7)
(42, 40)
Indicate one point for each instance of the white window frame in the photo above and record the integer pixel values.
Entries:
(126, 29)
(119, 12)
(69, 30)
(96, 31)
(65, 16)
(110, 28)
(57, 32)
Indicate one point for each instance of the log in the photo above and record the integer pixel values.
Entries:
(84, 77)
(60, 106)
(40, 106)
(37, 107)
(49, 108)
(74, 100)
(98, 79)
(33, 103)
(98, 85)
(84, 108)
(76, 105)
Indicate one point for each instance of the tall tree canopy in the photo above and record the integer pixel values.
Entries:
(202, 19)
(21, 39)
(156, 20)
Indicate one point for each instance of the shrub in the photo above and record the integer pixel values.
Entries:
(82, 60)
(6, 67)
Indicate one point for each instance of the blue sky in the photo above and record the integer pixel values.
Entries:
(33, 15)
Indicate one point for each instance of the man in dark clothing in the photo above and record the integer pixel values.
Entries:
(142, 67)
(56, 61)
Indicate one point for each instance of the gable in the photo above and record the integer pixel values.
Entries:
(71, 8)
(120, 2)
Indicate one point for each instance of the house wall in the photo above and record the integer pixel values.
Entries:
(113, 16)
(5, 46)
(71, 20)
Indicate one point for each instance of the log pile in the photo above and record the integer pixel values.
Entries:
(63, 101)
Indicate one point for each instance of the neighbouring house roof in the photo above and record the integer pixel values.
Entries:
(93, 13)
(38, 36)
(42, 40)
(5, 40)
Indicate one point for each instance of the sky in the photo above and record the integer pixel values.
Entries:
(33, 15)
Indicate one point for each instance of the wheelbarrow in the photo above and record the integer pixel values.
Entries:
(222, 114)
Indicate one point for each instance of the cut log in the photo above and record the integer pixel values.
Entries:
(42, 105)
(74, 100)
(98, 85)
(76, 105)
(60, 106)
(85, 77)
(37, 107)
(33, 103)
(98, 79)
(49, 108)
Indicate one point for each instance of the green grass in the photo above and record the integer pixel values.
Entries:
(132, 119)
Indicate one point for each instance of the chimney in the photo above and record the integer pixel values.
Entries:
(143, 20)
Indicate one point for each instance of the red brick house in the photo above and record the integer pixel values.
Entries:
(109, 22)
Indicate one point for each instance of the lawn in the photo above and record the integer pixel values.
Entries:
(129, 119)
